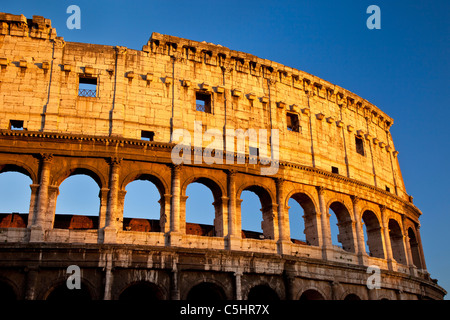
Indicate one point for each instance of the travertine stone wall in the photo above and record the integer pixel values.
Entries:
(154, 90)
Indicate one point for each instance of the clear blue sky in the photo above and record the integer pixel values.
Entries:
(403, 68)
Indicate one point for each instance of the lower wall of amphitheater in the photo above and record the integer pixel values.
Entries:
(36, 272)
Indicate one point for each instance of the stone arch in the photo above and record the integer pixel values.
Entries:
(16, 180)
(374, 234)
(311, 220)
(76, 220)
(209, 181)
(352, 297)
(17, 166)
(266, 198)
(396, 237)
(59, 292)
(144, 224)
(61, 175)
(142, 291)
(206, 291)
(312, 294)
(161, 184)
(415, 248)
(217, 191)
(345, 224)
(262, 292)
(8, 290)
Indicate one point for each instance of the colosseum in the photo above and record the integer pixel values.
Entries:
(110, 113)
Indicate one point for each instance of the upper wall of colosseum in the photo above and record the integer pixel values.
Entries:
(149, 93)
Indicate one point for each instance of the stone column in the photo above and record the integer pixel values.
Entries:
(237, 277)
(103, 195)
(175, 223)
(32, 274)
(324, 219)
(360, 248)
(419, 241)
(386, 238)
(108, 277)
(174, 289)
(110, 230)
(165, 212)
(37, 228)
(284, 239)
(234, 230)
(33, 203)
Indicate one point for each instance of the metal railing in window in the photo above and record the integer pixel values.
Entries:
(87, 93)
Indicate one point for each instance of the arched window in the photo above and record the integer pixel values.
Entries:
(206, 292)
(311, 294)
(78, 203)
(352, 297)
(200, 212)
(203, 209)
(262, 293)
(251, 223)
(396, 236)
(251, 218)
(414, 246)
(142, 291)
(372, 234)
(63, 293)
(15, 195)
(303, 219)
(142, 208)
(342, 219)
(6, 292)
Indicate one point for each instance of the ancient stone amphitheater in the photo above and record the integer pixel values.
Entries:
(110, 113)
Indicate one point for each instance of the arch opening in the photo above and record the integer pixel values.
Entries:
(262, 293)
(203, 210)
(78, 202)
(6, 292)
(303, 226)
(311, 294)
(396, 237)
(206, 292)
(372, 234)
(15, 197)
(415, 249)
(254, 224)
(344, 236)
(142, 291)
(62, 293)
(352, 297)
(142, 205)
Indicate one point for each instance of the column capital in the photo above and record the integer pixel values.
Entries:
(114, 161)
(46, 157)
(320, 190)
(231, 172)
(355, 199)
(382, 208)
(176, 167)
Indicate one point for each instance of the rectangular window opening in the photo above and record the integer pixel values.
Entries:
(388, 189)
(359, 145)
(335, 170)
(147, 135)
(203, 102)
(292, 122)
(87, 87)
(16, 125)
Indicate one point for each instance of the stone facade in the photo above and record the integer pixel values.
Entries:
(335, 153)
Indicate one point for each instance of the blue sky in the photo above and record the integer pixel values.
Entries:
(403, 68)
